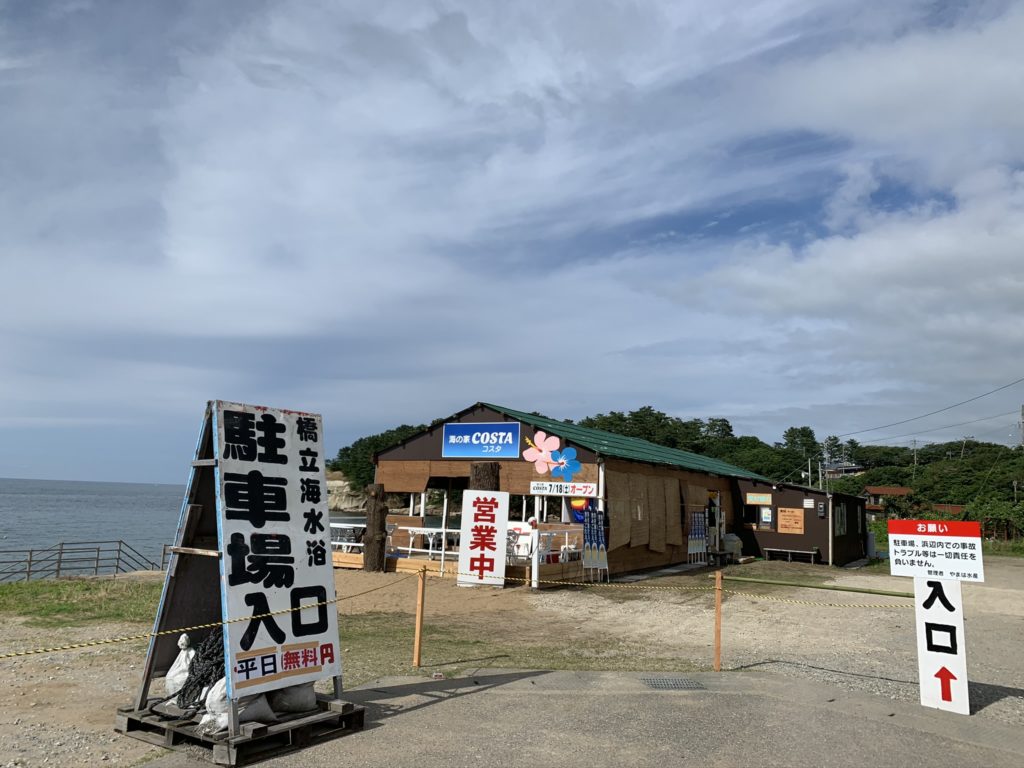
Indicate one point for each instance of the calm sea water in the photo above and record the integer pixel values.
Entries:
(41, 513)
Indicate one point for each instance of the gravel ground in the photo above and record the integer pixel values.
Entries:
(59, 708)
(858, 648)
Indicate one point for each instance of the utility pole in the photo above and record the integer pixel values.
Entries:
(964, 446)
(915, 462)
(1021, 423)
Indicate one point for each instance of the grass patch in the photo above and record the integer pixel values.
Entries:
(72, 602)
(380, 644)
(1012, 548)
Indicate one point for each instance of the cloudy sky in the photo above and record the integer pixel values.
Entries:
(782, 213)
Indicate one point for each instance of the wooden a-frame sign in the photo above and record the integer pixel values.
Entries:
(206, 548)
(191, 594)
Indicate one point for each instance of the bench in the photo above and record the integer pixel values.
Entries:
(810, 554)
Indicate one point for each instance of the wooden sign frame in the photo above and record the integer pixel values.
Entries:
(192, 597)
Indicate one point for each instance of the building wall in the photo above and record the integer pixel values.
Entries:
(407, 468)
(847, 545)
(427, 446)
(630, 548)
(514, 476)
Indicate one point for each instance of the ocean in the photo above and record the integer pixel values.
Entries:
(40, 513)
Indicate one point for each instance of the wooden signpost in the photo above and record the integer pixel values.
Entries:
(251, 557)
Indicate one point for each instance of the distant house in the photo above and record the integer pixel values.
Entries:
(841, 469)
(878, 493)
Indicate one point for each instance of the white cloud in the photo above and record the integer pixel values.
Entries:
(432, 205)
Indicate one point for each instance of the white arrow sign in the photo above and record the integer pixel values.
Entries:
(941, 645)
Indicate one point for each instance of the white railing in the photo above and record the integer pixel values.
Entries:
(438, 542)
(347, 537)
(526, 546)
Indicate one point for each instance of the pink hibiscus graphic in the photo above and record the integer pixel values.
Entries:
(539, 452)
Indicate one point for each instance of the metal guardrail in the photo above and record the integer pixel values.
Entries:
(73, 558)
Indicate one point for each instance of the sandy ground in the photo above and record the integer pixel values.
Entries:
(59, 707)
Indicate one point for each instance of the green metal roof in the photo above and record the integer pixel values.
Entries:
(630, 448)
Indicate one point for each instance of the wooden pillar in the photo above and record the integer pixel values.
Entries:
(444, 524)
(375, 538)
(717, 664)
(484, 476)
(417, 642)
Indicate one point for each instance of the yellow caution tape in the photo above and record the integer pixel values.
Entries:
(585, 584)
(209, 625)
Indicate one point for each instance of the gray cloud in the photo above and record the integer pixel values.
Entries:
(797, 212)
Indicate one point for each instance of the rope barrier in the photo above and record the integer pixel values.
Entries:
(672, 588)
(178, 631)
(577, 584)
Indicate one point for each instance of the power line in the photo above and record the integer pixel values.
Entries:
(936, 429)
(932, 413)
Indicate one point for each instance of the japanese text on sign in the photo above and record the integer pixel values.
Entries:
(275, 549)
(936, 549)
(941, 645)
(497, 440)
(578, 490)
(484, 538)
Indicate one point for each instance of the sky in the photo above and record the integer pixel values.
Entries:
(782, 213)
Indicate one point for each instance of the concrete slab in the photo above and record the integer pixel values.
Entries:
(610, 719)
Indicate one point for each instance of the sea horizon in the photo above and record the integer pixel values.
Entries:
(113, 482)
(40, 513)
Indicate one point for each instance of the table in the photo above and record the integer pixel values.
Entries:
(432, 536)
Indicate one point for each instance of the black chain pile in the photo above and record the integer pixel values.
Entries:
(206, 668)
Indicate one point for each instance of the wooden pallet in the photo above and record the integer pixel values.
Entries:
(257, 741)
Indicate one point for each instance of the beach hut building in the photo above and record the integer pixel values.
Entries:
(662, 506)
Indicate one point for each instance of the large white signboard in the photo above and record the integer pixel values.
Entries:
(936, 549)
(576, 490)
(275, 546)
(941, 645)
(484, 538)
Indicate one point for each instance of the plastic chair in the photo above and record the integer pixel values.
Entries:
(512, 547)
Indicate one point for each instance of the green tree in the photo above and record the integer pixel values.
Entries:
(871, 456)
(356, 460)
(832, 448)
(896, 507)
(852, 448)
(717, 429)
(802, 440)
(648, 423)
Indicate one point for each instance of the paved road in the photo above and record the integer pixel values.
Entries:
(611, 719)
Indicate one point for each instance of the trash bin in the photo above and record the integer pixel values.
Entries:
(732, 544)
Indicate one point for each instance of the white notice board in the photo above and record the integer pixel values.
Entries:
(274, 533)
(937, 549)
(941, 645)
(483, 538)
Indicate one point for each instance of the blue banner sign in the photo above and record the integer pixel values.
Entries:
(499, 440)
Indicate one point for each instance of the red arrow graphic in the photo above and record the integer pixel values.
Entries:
(945, 677)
